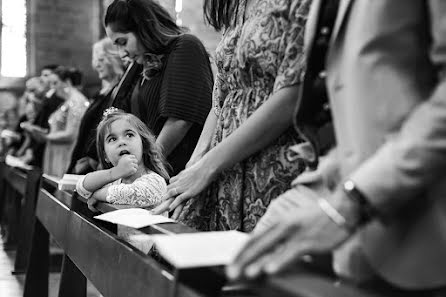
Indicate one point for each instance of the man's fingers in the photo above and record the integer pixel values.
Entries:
(177, 212)
(164, 206)
(284, 256)
(256, 268)
(261, 245)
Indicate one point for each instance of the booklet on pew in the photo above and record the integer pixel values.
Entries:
(68, 182)
(201, 249)
(133, 217)
(16, 162)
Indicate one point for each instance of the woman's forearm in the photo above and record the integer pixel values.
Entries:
(171, 135)
(204, 142)
(60, 136)
(266, 124)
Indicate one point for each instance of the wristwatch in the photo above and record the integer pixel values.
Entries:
(366, 211)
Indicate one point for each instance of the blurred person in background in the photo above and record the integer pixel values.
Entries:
(63, 123)
(50, 103)
(110, 68)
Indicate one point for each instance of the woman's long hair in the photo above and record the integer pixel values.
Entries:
(220, 14)
(147, 19)
(152, 157)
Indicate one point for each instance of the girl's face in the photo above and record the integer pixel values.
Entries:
(121, 139)
(128, 45)
(102, 66)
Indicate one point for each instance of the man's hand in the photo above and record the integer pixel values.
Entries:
(308, 230)
(127, 166)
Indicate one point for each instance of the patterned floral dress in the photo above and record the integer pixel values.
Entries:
(261, 54)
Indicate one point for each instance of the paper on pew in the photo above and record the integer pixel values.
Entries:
(68, 182)
(133, 217)
(16, 162)
(202, 249)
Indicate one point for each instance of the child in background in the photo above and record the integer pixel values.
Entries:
(134, 169)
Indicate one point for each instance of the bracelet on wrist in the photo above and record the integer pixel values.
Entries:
(335, 215)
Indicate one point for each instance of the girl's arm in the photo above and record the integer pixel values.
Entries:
(204, 143)
(92, 182)
(148, 190)
(171, 135)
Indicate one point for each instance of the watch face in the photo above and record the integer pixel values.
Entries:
(349, 185)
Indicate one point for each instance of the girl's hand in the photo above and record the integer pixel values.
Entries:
(127, 166)
(91, 203)
(187, 184)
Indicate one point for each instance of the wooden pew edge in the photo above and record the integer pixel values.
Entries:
(283, 285)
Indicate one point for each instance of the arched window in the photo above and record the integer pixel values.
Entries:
(13, 41)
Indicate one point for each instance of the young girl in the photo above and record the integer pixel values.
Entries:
(134, 170)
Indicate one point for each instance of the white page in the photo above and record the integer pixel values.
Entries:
(133, 217)
(16, 162)
(201, 249)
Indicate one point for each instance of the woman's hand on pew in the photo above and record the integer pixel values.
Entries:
(308, 230)
(165, 206)
(186, 185)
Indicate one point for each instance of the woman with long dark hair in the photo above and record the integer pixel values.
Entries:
(241, 162)
(173, 95)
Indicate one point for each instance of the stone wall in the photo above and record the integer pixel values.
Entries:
(62, 32)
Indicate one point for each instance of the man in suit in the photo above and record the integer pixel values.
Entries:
(378, 199)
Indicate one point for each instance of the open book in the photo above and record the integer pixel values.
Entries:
(16, 162)
(201, 249)
(68, 182)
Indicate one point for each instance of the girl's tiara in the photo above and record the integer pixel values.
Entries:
(109, 111)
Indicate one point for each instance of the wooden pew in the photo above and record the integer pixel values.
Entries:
(115, 267)
(26, 183)
(12, 190)
(118, 269)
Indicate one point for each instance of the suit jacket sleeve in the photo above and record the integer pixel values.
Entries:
(415, 159)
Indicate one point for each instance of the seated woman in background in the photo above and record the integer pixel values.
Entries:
(63, 124)
(173, 95)
(241, 162)
(32, 108)
(29, 106)
(134, 170)
(109, 66)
